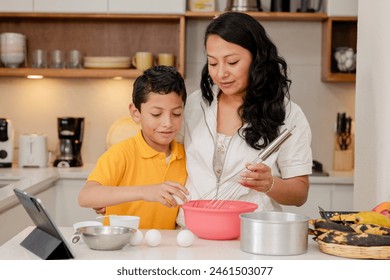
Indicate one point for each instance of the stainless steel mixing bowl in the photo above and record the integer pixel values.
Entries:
(104, 237)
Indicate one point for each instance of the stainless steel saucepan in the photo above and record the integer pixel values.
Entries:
(274, 233)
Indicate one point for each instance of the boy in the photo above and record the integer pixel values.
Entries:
(140, 175)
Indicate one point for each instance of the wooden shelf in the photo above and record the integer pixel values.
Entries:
(71, 73)
(96, 35)
(266, 16)
(337, 32)
(340, 78)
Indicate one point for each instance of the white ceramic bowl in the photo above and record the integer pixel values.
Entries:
(12, 38)
(13, 47)
(122, 220)
(12, 60)
(86, 224)
(125, 221)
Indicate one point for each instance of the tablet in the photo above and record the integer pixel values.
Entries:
(46, 240)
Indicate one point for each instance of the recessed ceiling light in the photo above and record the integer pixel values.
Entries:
(34, 77)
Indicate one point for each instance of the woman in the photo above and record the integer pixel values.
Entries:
(243, 105)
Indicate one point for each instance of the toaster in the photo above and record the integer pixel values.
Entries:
(33, 150)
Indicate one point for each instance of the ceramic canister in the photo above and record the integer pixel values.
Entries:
(12, 49)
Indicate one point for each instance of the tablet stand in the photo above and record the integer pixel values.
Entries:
(46, 246)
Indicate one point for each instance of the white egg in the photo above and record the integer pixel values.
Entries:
(136, 238)
(153, 237)
(185, 238)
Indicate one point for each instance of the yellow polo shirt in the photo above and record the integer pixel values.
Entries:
(133, 162)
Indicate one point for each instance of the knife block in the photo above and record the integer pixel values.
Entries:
(343, 160)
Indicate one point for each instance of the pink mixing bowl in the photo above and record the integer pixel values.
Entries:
(215, 221)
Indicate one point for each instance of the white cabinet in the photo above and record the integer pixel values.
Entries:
(342, 8)
(330, 197)
(56, 6)
(147, 6)
(67, 210)
(342, 198)
(95, 6)
(70, 6)
(13, 221)
(16, 6)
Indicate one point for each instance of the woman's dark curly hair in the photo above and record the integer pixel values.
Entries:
(263, 108)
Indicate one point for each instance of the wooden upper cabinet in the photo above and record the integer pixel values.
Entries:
(337, 32)
(96, 35)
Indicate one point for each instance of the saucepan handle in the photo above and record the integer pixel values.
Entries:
(76, 237)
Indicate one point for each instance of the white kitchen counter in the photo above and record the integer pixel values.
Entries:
(201, 249)
(335, 177)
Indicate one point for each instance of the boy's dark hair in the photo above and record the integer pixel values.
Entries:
(161, 80)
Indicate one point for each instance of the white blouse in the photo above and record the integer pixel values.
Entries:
(223, 142)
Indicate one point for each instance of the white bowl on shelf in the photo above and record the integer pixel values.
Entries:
(12, 60)
(12, 49)
(13, 38)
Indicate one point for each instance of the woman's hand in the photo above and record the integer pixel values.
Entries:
(258, 177)
(291, 191)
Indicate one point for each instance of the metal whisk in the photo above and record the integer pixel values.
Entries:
(218, 197)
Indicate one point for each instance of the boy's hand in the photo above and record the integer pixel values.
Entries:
(100, 210)
(169, 193)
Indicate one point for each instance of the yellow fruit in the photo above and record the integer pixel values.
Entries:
(364, 217)
(372, 217)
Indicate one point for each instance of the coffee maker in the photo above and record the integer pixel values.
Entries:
(70, 134)
(6, 143)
